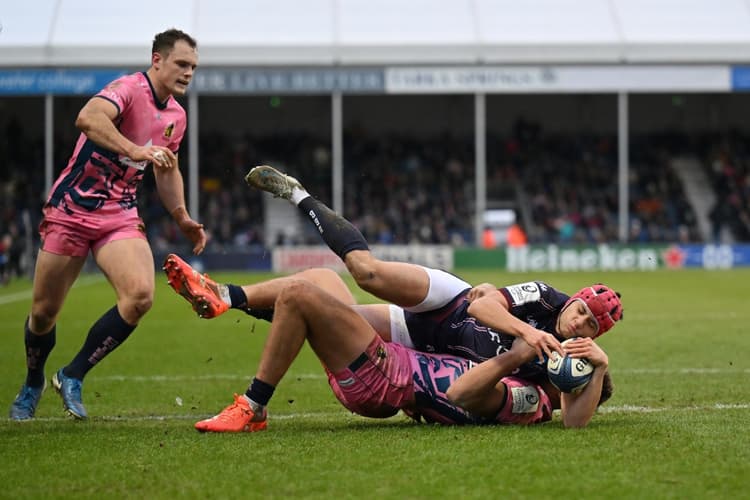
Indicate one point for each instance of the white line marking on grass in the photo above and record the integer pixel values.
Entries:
(193, 378)
(322, 376)
(159, 418)
(698, 316)
(649, 409)
(26, 294)
(343, 413)
(680, 371)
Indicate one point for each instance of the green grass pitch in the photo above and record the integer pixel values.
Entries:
(677, 426)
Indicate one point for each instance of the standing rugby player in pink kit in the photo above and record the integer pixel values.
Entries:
(92, 207)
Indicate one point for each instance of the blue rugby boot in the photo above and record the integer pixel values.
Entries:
(24, 406)
(69, 389)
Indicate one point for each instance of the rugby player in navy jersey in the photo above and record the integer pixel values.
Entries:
(434, 311)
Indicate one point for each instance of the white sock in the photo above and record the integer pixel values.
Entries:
(298, 195)
(224, 294)
(257, 408)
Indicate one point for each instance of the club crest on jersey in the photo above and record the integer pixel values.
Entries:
(381, 354)
(168, 131)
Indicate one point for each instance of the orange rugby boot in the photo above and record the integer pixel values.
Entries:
(237, 417)
(203, 293)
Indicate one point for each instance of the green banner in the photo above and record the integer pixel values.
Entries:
(566, 258)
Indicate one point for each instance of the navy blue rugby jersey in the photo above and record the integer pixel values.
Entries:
(451, 330)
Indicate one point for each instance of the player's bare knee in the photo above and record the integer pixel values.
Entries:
(293, 294)
(298, 294)
(137, 305)
(42, 319)
(318, 274)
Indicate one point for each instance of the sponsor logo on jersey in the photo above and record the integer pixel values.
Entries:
(524, 293)
(346, 382)
(525, 399)
(138, 165)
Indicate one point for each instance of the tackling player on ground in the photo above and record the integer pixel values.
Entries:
(374, 378)
(439, 312)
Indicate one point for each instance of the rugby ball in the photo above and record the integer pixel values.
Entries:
(569, 374)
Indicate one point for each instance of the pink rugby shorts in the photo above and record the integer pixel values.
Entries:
(378, 383)
(75, 236)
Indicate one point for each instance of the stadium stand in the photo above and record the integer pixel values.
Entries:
(557, 169)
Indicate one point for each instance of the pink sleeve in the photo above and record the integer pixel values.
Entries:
(119, 92)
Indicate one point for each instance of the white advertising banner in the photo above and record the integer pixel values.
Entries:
(292, 259)
(558, 79)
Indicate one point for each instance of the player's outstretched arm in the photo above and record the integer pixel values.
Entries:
(170, 186)
(578, 409)
(480, 390)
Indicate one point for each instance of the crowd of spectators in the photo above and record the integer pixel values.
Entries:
(21, 186)
(402, 190)
(571, 182)
(728, 162)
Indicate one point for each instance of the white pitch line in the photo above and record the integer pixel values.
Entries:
(178, 416)
(344, 414)
(701, 315)
(194, 378)
(680, 371)
(321, 376)
(26, 294)
(650, 409)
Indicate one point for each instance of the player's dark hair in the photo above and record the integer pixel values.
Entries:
(164, 41)
(607, 388)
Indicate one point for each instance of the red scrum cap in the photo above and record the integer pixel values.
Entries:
(603, 303)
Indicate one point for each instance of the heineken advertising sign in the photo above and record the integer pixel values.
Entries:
(606, 257)
(594, 258)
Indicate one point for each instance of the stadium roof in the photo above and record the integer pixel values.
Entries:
(54, 33)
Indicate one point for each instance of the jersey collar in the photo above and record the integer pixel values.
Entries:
(159, 105)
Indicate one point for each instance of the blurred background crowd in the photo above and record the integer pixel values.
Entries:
(402, 188)
(414, 183)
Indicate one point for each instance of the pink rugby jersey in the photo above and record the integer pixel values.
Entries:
(525, 402)
(98, 182)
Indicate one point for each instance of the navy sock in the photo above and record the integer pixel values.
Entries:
(107, 333)
(238, 300)
(260, 392)
(265, 314)
(338, 233)
(237, 297)
(38, 348)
